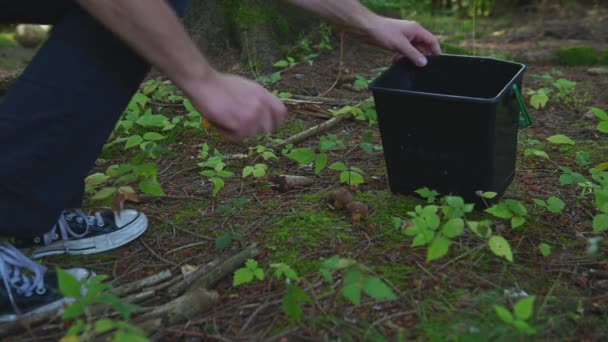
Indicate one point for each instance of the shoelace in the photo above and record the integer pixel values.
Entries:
(12, 262)
(64, 227)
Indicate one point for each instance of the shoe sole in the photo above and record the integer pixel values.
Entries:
(54, 306)
(96, 244)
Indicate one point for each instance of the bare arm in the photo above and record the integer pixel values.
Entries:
(404, 37)
(240, 108)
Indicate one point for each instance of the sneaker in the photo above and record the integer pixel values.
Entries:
(77, 234)
(29, 288)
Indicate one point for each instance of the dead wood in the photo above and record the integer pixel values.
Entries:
(284, 183)
(313, 131)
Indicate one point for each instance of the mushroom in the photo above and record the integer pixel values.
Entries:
(341, 197)
(358, 211)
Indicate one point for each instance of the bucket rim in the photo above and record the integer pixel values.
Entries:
(373, 86)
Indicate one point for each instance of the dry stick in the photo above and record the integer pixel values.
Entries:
(313, 130)
(152, 280)
(207, 277)
(197, 299)
(339, 68)
(324, 100)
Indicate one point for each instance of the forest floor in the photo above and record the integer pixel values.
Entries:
(448, 299)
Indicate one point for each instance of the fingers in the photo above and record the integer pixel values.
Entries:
(427, 41)
(411, 53)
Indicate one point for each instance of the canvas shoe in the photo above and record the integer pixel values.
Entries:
(29, 288)
(75, 233)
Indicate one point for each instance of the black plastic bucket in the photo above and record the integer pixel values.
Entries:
(451, 126)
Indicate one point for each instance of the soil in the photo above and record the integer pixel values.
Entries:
(450, 298)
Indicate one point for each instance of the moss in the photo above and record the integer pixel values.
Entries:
(577, 55)
(454, 49)
(603, 57)
(397, 274)
(301, 233)
(385, 205)
(7, 40)
(290, 128)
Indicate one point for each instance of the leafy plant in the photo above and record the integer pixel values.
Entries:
(213, 168)
(361, 82)
(522, 312)
(247, 274)
(428, 194)
(356, 280)
(352, 175)
(539, 97)
(257, 170)
(545, 249)
(560, 139)
(601, 114)
(273, 78)
(553, 204)
(226, 239)
(289, 62)
(510, 209)
(367, 145)
(88, 293)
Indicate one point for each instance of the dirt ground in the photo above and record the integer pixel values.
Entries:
(448, 299)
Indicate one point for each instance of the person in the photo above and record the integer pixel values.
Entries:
(60, 112)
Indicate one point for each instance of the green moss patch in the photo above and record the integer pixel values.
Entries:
(577, 55)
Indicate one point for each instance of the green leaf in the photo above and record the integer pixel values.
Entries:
(96, 179)
(517, 221)
(104, 325)
(259, 273)
(524, 327)
(259, 170)
(500, 210)
(600, 223)
(218, 184)
(292, 299)
(151, 187)
(539, 101)
(603, 127)
(453, 227)
(524, 308)
(242, 276)
(275, 77)
(352, 293)
(600, 114)
(327, 275)
(338, 167)
(560, 139)
(209, 173)
(76, 309)
(104, 193)
(555, 205)
(428, 194)
(536, 153)
(153, 121)
(489, 195)
(353, 178)
(438, 248)
(251, 264)
(153, 136)
(481, 229)
(321, 162)
(343, 110)
(545, 249)
(281, 64)
(304, 156)
(501, 247)
(503, 314)
(223, 241)
(247, 171)
(377, 289)
(68, 284)
(133, 141)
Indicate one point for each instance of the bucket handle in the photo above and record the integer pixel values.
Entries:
(526, 120)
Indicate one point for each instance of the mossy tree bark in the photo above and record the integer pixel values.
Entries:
(257, 29)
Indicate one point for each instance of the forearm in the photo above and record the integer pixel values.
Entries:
(154, 31)
(350, 14)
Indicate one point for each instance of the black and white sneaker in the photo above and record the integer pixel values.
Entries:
(76, 233)
(29, 288)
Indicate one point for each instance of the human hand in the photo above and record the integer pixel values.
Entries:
(406, 38)
(237, 107)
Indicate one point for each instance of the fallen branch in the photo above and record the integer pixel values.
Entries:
(135, 286)
(313, 131)
(284, 183)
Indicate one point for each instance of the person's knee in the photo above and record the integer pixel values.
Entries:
(179, 6)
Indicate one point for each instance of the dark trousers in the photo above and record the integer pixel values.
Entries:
(58, 115)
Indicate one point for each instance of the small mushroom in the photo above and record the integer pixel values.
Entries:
(341, 197)
(358, 211)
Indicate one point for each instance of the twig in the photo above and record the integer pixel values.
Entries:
(156, 255)
(313, 130)
(382, 320)
(140, 284)
(339, 67)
